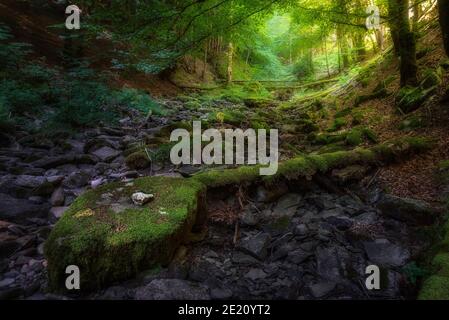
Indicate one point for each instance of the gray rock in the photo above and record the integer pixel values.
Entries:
(367, 218)
(321, 289)
(57, 197)
(282, 214)
(301, 230)
(76, 146)
(100, 142)
(32, 182)
(255, 274)
(55, 179)
(115, 293)
(106, 154)
(6, 282)
(272, 193)
(52, 162)
(243, 259)
(7, 247)
(172, 289)
(288, 204)
(407, 210)
(298, 256)
(328, 267)
(20, 210)
(140, 198)
(56, 213)
(187, 170)
(96, 183)
(385, 253)
(221, 294)
(335, 212)
(323, 202)
(256, 246)
(350, 173)
(249, 218)
(77, 179)
(283, 251)
(341, 223)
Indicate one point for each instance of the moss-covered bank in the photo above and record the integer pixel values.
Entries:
(436, 286)
(110, 239)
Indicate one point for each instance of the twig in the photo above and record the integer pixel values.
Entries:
(236, 232)
(373, 178)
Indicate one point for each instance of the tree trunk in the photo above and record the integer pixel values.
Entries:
(327, 59)
(416, 14)
(393, 16)
(407, 42)
(380, 38)
(290, 48)
(203, 76)
(341, 38)
(359, 42)
(230, 61)
(443, 9)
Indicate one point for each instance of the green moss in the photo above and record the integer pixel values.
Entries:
(325, 138)
(370, 135)
(138, 160)
(411, 123)
(409, 98)
(110, 244)
(441, 264)
(354, 137)
(445, 64)
(133, 149)
(343, 113)
(337, 124)
(307, 126)
(357, 117)
(232, 117)
(378, 93)
(307, 166)
(435, 288)
(217, 178)
(443, 165)
(399, 148)
(431, 79)
(193, 105)
(167, 130)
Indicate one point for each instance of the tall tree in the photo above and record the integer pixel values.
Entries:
(399, 14)
(443, 8)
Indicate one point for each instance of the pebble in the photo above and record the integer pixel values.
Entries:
(140, 198)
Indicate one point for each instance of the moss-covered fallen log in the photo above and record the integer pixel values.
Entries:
(307, 166)
(110, 239)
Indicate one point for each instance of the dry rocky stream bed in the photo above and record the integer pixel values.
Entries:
(293, 242)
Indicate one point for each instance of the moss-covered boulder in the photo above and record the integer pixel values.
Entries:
(354, 137)
(379, 92)
(409, 98)
(431, 78)
(111, 239)
(138, 160)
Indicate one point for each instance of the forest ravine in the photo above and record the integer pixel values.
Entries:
(361, 104)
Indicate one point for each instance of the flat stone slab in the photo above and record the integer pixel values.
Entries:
(385, 253)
